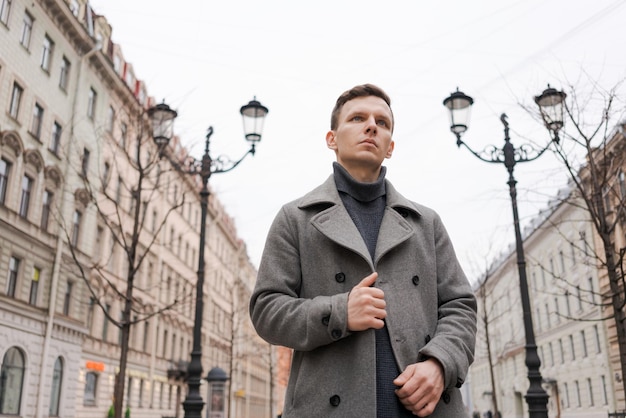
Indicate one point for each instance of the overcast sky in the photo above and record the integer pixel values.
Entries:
(208, 58)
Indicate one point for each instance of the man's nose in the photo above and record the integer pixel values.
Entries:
(371, 124)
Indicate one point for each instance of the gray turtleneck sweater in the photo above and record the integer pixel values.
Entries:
(365, 203)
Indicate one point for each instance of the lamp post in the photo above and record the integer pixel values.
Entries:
(551, 105)
(162, 117)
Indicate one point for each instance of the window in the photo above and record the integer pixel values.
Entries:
(592, 295)
(55, 140)
(164, 347)
(12, 381)
(583, 340)
(91, 387)
(97, 248)
(106, 173)
(16, 99)
(46, 53)
(598, 343)
(76, 227)
(46, 208)
(35, 127)
(606, 197)
(577, 386)
(123, 134)
(140, 398)
(27, 30)
(621, 179)
(57, 380)
(571, 345)
(90, 310)
(561, 352)
(27, 187)
(34, 286)
(129, 391)
(110, 119)
(146, 333)
(14, 269)
(91, 104)
(5, 8)
(105, 322)
(5, 169)
(118, 191)
(84, 170)
(64, 78)
(605, 398)
(557, 314)
(67, 298)
(117, 64)
(566, 393)
(590, 391)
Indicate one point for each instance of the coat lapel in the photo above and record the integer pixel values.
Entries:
(394, 230)
(336, 225)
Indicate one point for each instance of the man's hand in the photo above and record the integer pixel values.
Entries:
(366, 305)
(420, 386)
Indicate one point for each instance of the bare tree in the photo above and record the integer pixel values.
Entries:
(487, 315)
(123, 211)
(592, 146)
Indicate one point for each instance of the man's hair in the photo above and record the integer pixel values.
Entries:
(363, 90)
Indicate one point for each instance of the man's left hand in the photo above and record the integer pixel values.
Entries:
(420, 386)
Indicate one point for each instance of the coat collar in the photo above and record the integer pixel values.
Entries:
(327, 193)
(335, 222)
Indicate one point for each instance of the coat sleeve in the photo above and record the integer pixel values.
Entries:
(455, 338)
(278, 313)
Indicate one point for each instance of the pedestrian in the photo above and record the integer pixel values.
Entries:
(365, 287)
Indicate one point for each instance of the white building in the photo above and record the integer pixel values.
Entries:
(566, 312)
(72, 113)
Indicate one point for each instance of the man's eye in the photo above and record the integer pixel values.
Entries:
(357, 118)
(382, 122)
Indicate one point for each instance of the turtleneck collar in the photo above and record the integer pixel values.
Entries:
(363, 192)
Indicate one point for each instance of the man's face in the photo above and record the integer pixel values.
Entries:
(362, 139)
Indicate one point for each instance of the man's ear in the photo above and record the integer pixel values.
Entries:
(330, 140)
(392, 144)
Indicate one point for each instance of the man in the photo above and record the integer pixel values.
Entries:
(365, 286)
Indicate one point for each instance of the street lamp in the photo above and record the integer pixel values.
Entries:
(162, 117)
(551, 106)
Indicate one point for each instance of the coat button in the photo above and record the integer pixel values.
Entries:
(336, 334)
(326, 320)
(427, 339)
(445, 397)
(459, 382)
(335, 400)
(340, 277)
(416, 280)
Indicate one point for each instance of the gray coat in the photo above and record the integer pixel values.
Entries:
(314, 255)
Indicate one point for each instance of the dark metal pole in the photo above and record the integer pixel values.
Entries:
(193, 403)
(536, 397)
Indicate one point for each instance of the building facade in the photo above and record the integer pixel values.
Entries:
(609, 175)
(567, 314)
(73, 132)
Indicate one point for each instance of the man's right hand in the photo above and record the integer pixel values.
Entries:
(366, 305)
